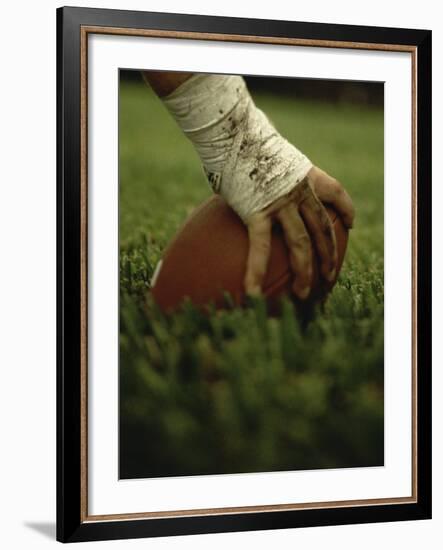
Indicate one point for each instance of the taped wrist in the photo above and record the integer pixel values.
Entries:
(244, 157)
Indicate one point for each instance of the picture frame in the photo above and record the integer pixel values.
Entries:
(75, 26)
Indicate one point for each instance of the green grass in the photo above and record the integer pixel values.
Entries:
(239, 391)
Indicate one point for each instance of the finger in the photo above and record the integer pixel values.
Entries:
(322, 233)
(330, 191)
(300, 250)
(259, 230)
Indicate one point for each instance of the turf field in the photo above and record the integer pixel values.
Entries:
(240, 391)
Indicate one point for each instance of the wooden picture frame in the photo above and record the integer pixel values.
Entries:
(74, 26)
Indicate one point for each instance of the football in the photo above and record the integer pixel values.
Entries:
(207, 259)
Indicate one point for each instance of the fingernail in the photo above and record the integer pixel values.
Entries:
(303, 293)
(254, 291)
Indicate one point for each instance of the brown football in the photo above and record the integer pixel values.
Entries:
(207, 258)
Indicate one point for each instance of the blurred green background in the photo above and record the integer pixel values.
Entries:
(239, 391)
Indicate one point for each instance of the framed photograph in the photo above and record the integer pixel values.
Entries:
(244, 274)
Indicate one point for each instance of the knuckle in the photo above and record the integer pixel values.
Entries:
(299, 243)
(263, 246)
(303, 265)
(337, 187)
(258, 222)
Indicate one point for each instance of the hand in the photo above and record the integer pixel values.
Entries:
(304, 219)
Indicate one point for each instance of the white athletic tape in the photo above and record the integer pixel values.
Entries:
(244, 157)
